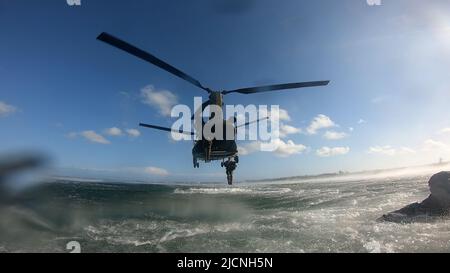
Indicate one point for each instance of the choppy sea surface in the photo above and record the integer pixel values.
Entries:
(270, 217)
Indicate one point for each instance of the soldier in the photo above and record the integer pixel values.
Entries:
(230, 166)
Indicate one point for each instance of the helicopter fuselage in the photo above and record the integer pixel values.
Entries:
(220, 150)
(216, 149)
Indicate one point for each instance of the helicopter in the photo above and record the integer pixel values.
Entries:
(204, 149)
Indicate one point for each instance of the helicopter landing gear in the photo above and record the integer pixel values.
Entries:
(208, 151)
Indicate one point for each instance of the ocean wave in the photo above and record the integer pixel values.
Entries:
(76, 179)
(248, 218)
(232, 190)
(157, 234)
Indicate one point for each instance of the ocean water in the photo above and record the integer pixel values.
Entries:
(265, 217)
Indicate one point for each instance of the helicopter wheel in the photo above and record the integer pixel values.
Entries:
(221, 164)
(236, 159)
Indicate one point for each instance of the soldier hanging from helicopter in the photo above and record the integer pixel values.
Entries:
(230, 165)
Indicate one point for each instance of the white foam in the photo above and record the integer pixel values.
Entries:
(234, 190)
(212, 191)
(174, 234)
(77, 179)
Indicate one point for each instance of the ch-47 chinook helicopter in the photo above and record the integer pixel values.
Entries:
(204, 149)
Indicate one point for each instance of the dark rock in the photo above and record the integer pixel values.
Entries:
(436, 206)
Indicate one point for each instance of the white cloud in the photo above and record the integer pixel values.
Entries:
(445, 131)
(6, 109)
(286, 130)
(163, 100)
(333, 135)
(379, 99)
(243, 151)
(282, 114)
(351, 129)
(114, 131)
(156, 171)
(288, 148)
(431, 145)
(94, 137)
(284, 149)
(362, 121)
(384, 150)
(374, 2)
(125, 94)
(250, 148)
(406, 150)
(133, 132)
(89, 135)
(319, 122)
(72, 135)
(390, 151)
(328, 152)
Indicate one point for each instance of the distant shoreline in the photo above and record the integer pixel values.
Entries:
(377, 173)
(425, 170)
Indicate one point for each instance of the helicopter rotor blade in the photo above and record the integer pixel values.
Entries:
(268, 88)
(165, 129)
(116, 42)
(251, 122)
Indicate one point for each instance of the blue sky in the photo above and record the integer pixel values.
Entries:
(386, 106)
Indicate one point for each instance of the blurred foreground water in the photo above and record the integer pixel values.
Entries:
(270, 217)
